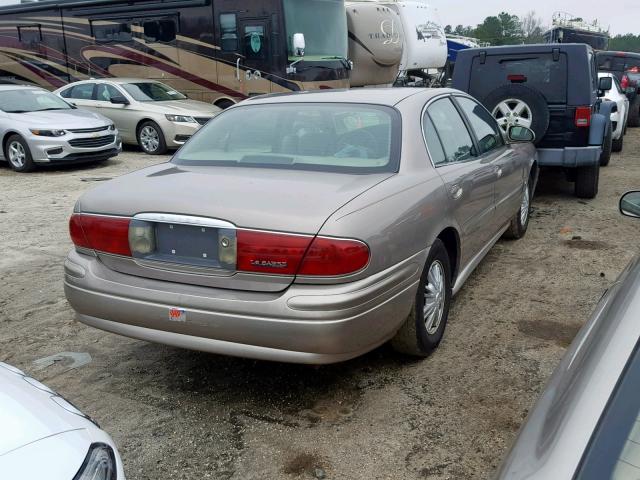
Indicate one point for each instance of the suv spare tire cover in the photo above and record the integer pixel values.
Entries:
(534, 99)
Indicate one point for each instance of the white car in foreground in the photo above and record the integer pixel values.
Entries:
(43, 436)
(619, 115)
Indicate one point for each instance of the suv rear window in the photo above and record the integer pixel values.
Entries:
(617, 63)
(538, 71)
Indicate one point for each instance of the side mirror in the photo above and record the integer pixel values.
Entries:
(520, 134)
(604, 85)
(298, 44)
(630, 204)
(119, 101)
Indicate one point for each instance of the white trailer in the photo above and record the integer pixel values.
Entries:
(376, 39)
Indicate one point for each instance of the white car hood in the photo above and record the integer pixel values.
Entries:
(61, 119)
(58, 457)
(28, 414)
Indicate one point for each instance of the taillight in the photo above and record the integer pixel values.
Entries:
(332, 256)
(624, 83)
(101, 233)
(583, 116)
(270, 252)
(278, 253)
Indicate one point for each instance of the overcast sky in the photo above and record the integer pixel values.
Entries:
(621, 15)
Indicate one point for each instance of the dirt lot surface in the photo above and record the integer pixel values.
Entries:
(178, 414)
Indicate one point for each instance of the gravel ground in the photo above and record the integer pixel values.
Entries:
(177, 414)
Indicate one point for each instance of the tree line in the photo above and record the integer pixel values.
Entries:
(508, 29)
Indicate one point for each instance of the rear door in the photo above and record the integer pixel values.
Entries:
(121, 115)
(491, 145)
(81, 95)
(469, 177)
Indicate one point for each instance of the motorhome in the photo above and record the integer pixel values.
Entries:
(567, 28)
(218, 51)
(376, 40)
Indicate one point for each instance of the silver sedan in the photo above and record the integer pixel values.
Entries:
(37, 127)
(586, 424)
(148, 113)
(305, 228)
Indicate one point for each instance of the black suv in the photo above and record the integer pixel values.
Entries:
(554, 90)
(625, 66)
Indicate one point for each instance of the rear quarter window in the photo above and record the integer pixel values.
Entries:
(537, 71)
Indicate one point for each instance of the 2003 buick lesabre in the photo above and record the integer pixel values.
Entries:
(307, 228)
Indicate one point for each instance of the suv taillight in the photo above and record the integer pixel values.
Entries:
(624, 83)
(583, 116)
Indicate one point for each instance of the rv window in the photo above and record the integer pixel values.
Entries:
(163, 31)
(229, 32)
(30, 35)
(254, 42)
(111, 31)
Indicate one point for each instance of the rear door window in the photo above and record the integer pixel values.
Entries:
(455, 138)
(84, 91)
(538, 71)
(483, 124)
(105, 92)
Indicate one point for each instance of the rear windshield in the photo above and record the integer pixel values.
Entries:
(538, 71)
(341, 137)
(615, 63)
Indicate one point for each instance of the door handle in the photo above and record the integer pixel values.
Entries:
(238, 69)
(456, 192)
(499, 172)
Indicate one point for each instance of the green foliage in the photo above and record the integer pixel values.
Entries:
(625, 43)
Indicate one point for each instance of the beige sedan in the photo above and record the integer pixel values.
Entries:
(147, 113)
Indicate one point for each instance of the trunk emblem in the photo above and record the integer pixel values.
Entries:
(269, 264)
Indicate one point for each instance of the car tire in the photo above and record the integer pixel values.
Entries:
(607, 146)
(419, 336)
(618, 145)
(587, 181)
(18, 154)
(534, 100)
(151, 139)
(520, 221)
(634, 113)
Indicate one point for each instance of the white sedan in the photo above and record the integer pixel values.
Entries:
(45, 436)
(620, 114)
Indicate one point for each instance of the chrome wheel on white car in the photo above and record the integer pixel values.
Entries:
(151, 139)
(512, 112)
(17, 153)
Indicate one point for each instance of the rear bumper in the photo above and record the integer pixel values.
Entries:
(569, 157)
(314, 324)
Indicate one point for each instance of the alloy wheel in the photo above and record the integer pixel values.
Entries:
(17, 154)
(149, 139)
(513, 112)
(524, 206)
(434, 297)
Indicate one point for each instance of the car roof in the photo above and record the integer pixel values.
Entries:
(376, 96)
(5, 88)
(533, 48)
(117, 80)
